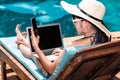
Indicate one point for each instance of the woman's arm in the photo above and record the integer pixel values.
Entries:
(25, 50)
(48, 65)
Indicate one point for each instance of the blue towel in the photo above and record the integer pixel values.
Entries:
(9, 44)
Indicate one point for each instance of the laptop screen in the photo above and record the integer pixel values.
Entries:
(50, 36)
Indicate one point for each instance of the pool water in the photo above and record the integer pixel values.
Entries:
(13, 12)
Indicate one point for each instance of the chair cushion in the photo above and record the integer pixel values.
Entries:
(9, 44)
(68, 54)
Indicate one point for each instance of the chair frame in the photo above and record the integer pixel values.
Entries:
(16, 66)
(24, 74)
(106, 49)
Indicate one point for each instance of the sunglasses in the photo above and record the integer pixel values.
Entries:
(76, 18)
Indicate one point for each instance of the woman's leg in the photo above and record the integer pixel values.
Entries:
(25, 48)
(21, 37)
(22, 43)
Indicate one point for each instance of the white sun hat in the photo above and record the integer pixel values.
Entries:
(91, 10)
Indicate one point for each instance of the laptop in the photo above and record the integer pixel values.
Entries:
(50, 37)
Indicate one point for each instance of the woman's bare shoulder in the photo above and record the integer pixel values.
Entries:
(81, 42)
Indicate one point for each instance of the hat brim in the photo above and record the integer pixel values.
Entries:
(72, 9)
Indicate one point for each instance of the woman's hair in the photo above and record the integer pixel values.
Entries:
(100, 36)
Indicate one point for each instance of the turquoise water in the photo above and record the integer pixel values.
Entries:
(14, 12)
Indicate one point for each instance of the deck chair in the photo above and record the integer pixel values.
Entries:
(100, 62)
(86, 63)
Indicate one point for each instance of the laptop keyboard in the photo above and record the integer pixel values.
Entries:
(49, 51)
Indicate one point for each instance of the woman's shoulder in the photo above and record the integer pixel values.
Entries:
(81, 42)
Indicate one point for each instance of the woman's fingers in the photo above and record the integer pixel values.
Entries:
(32, 33)
(38, 38)
(57, 51)
(35, 40)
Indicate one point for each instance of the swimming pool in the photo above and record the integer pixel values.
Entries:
(11, 15)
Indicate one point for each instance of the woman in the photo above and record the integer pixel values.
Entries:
(87, 18)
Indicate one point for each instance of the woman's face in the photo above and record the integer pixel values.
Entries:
(78, 22)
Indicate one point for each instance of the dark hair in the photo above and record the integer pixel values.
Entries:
(100, 36)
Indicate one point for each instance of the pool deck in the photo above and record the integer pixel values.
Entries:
(13, 76)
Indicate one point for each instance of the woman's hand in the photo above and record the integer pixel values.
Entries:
(57, 51)
(35, 40)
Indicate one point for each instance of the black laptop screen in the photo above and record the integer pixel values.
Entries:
(50, 36)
